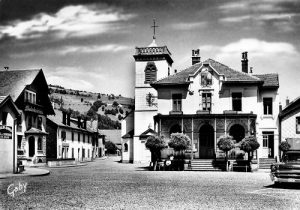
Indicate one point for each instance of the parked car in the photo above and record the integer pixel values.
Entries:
(288, 170)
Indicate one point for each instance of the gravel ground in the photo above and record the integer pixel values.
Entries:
(107, 184)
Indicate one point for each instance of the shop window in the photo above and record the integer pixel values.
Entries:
(268, 106)
(237, 101)
(177, 102)
(150, 72)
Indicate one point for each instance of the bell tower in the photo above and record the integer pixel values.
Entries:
(152, 63)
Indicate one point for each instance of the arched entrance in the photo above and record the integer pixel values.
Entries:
(31, 142)
(206, 142)
(175, 129)
(237, 132)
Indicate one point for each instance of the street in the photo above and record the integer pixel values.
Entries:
(108, 184)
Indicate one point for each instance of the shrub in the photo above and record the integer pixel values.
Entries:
(179, 141)
(284, 146)
(155, 144)
(249, 144)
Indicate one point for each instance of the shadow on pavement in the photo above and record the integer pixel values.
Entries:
(145, 168)
(295, 186)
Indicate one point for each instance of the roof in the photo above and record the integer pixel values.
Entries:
(128, 135)
(13, 82)
(148, 132)
(57, 119)
(8, 99)
(231, 75)
(270, 80)
(293, 106)
(35, 131)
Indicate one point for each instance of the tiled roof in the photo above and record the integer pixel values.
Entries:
(292, 106)
(57, 119)
(230, 74)
(128, 135)
(13, 82)
(270, 80)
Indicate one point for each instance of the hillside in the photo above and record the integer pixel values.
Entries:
(107, 106)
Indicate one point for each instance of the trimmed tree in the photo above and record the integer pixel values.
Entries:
(226, 144)
(179, 142)
(155, 144)
(249, 144)
(284, 147)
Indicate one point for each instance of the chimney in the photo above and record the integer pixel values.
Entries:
(79, 122)
(280, 107)
(68, 118)
(287, 101)
(64, 117)
(195, 56)
(245, 62)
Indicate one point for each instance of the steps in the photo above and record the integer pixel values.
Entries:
(206, 165)
(265, 163)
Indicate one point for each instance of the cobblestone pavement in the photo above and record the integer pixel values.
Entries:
(107, 184)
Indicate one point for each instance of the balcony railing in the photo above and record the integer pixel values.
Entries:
(35, 108)
(152, 50)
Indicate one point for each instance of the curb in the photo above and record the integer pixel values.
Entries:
(35, 173)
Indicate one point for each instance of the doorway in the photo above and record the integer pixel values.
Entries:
(237, 132)
(206, 142)
(31, 142)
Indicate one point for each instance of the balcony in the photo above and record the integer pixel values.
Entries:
(34, 108)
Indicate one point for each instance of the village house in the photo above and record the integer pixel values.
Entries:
(204, 101)
(289, 121)
(73, 138)
(29, 91)
(8, 143)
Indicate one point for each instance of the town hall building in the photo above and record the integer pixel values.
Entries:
(204, 101)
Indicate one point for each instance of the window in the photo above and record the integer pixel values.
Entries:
(83, 153)
(72, 152)
(78, 137)
(237, 101)
(72, 136)
(267, 138)
(206, 101)
(4, 118)
(150, 72)
(39, 123)
(63, 135)
(83, 138)
(88, 153)
(177, 101)
(206, 78)
(30, 96)
(268, 108)
(40, 143)
(125, 147)
(298, 125)
(19, 141)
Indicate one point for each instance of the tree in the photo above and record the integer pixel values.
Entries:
(155, 144)
(121, 111)
(226, 144)
(115, 104)
(99, 96)
(120, 117)
(284, 147)
(111, 148)
(249, 144)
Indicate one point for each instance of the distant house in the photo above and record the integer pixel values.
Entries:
(289, 121)
(127, 132)
(71, 138)
(29, 91)
(8, 144)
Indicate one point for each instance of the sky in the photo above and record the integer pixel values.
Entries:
(89, 44)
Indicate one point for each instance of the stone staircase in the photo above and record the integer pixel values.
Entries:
(265, 163)
(206, 165)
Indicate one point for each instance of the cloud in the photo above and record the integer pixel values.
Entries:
(73, 49)
(189, 26)
(265, 17)
(70, 21)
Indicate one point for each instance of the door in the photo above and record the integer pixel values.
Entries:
(271, 146)
(31, 143)
(206, 142)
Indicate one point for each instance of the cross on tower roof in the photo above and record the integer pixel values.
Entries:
(154, 26)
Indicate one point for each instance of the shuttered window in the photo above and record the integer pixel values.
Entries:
(150, 72)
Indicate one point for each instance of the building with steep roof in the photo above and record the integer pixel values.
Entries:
(204, 101)
(29, 91)
(8, 144)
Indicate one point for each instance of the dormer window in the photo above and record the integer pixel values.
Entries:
(150, 72)
(206, 77)
(30, 97)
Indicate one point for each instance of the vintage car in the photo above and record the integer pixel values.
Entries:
(288, 170)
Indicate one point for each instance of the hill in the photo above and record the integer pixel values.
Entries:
(110, 109)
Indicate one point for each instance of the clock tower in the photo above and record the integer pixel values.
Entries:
(152, 63)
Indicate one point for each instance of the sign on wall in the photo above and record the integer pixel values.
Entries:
(5, 132)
